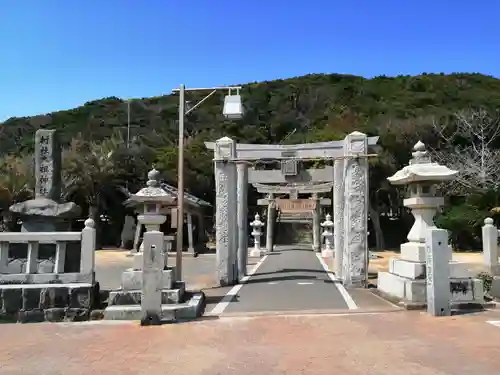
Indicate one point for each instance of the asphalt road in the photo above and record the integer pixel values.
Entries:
(289, 279)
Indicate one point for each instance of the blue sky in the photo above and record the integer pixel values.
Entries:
(58, 54)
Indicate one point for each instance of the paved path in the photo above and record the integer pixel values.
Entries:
(394, 343)
(289, 279)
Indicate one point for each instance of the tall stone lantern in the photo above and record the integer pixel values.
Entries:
(154, 203)
(421, 178)
(405, 279)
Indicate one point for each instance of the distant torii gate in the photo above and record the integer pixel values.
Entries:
(350, 198)
(293, 191)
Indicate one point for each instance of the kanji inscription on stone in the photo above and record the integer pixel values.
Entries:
(47, 164)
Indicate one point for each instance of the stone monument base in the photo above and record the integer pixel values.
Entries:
(177, 303)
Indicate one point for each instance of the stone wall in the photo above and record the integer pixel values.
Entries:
(38, 303)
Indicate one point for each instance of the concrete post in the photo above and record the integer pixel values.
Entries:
(200, 241)
(242, 197)
(355, 257)
(490, 246)
(152, 278)
(226, 211)
(271, 210)
(438, 256)
(88, 247)
(190, 233)
(316, 225)
(338, 214)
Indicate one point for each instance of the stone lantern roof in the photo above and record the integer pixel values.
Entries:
(153, 192)
(422, 169)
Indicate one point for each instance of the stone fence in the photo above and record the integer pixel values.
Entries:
(30, 274)
(30, 293)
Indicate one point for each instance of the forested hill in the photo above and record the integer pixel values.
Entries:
(317, 106)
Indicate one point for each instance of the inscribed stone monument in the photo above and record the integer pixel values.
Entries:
(45, 213)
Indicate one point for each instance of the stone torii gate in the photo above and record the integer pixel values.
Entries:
(350, 200)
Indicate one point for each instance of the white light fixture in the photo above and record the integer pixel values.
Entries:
(233, 107)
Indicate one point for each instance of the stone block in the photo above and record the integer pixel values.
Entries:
(80, 298)
(462, 290)
(31, 316)
(31, 298)
(414, 252)
(55, 314)
(132, 279)
(408, 269)
(401, 287)
(77, 315)
(56, 297)
(459, 270)
(467, 290)
(495, 287)
(12, 300)
(126, 297)
(97, 315)
(8, 317)
(192, 309)
(416, 270)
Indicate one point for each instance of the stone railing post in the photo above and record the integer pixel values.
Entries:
(328, 234)
(242, 197)
(226, 211)
(490, 246)
(88, 248)
(438, 256)
(256, 233)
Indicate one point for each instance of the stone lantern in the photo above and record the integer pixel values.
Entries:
(256, 233)
(421, 178)
(406, 277)
(154, 203)
(328, 234)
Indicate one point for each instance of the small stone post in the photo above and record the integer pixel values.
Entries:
(490, 246)
(242, 193)
(328, 234)
(338, 214)
(256, 233)
(226, 211)
(438, 256)
(152, 274)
